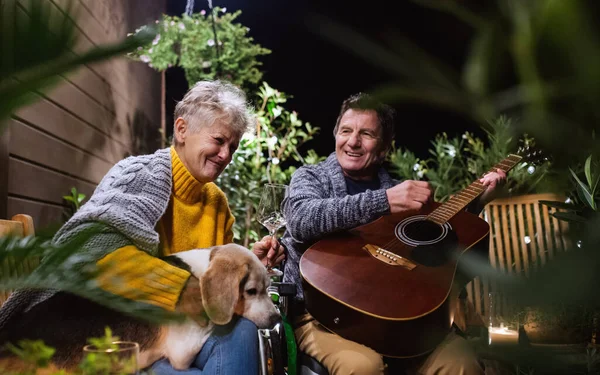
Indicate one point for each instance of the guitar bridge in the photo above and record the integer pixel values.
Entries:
(388, 257)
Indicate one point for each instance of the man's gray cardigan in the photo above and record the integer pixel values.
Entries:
(318, 204)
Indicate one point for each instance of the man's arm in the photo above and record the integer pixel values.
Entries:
(311, 211)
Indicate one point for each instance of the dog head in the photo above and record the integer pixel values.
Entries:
(235, 282)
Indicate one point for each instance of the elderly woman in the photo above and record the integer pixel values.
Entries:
(166, 202)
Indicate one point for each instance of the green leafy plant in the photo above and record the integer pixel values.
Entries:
(64, 267)
(102, 361)
(105, 358)
(75, 200)
(191, 43)
(457, 162)
(34, 353)
(267, 155)
(584, 198)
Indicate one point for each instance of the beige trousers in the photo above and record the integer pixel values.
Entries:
(343, 357)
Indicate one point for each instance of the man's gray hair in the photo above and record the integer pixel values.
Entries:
(208, 101)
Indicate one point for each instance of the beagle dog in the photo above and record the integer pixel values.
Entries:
(232, 281)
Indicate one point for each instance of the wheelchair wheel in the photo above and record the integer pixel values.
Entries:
(278, 355)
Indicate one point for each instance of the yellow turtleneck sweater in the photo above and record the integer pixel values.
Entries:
(197, 216)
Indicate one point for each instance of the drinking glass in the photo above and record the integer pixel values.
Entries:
(120, 359)
(270, 213)
(501, 330)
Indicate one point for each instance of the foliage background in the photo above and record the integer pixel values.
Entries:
(456, 162)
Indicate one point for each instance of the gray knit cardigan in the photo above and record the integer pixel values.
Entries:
(318, 204)
(129, 200)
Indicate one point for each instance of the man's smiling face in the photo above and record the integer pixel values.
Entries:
(358, 144)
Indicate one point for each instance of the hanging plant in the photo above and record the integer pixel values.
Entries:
(190, 42)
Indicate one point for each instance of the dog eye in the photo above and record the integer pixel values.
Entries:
(252, 291)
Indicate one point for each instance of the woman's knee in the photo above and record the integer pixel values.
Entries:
(240, 332)
(246, 330)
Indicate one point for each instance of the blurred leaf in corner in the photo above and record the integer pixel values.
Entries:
(538, 61)
(66, 268)
(36, 44)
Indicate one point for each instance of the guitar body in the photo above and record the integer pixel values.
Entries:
(391, 284)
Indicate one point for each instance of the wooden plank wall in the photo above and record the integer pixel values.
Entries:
(98, 115)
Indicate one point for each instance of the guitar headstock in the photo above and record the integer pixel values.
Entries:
(531, 153)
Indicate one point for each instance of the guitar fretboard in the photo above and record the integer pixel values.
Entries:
(462, 199)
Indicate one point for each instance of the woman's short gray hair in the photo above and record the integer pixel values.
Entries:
(208, 101)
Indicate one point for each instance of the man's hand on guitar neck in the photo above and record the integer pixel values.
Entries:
(409, 195)
(492, 180)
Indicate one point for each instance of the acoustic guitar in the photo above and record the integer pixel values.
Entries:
(392, 284)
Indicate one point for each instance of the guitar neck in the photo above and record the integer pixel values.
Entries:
(462, 199)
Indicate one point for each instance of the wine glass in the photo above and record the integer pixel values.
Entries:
(270, 213)
(120, 358)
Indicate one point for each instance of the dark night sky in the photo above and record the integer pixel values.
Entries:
(320, 75)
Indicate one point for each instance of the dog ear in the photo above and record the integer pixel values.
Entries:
(190, 302)
(221, 284)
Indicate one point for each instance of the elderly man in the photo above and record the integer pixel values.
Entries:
(349, 189)
(160, 204)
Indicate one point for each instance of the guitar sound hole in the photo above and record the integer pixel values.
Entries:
(422, 231)
(432, 243)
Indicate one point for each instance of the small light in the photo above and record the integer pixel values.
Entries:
(451, 151)
(272, 141)
(530, 169)
(527, 239)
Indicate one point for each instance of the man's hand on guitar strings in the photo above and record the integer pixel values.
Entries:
(492, 180)
(409, 195)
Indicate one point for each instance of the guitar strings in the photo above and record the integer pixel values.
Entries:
(395, 243)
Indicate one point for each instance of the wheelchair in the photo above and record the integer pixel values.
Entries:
(277, 346)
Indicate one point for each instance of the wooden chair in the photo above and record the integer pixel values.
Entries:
(523, 236)
(19, 225)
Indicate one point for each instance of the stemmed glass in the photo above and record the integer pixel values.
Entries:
(121, 358)
(270, 213)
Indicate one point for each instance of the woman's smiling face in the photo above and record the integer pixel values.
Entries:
(207, 151)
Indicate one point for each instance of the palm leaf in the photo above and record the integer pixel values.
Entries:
(569, 216)
(35, 48)
(560, 205)
(412, 63)
(454, 8)
(67, 269)
(588, 170)
(584, 191)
